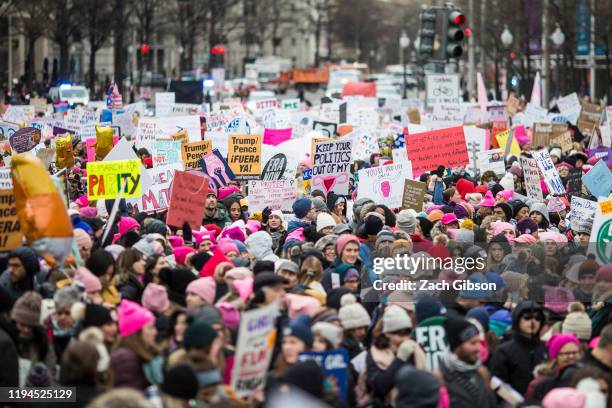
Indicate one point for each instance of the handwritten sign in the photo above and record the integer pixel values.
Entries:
(191, 153)
(104, 179)
(146, 133)
(244, 156)
(551, 176)
(383, 184)
(187, 200)
(166, 152)
(335, 365)
(414, 192)
(531, 173)
(25, 139)
(157, 196)
(574, 183)
(275, 194)
(164, 101)
(582, 211)
(564, 140)
(10, 231)
(428, 150)
(599, 179)
(589, 118)
(331, 166)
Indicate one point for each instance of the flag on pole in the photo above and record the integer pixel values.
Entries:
(536, 92)
(113, 97)
(482, 93)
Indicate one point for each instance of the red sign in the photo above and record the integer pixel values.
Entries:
(187, 200)
(445, 147)
(359, 88)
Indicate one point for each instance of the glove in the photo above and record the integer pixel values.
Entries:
(406, 349)
(265, 214)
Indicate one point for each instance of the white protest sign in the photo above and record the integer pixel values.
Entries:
(146, 133)
(166, 152)
(219, 141)
(331, 166)
(281, 161)
(157, 196)
(384, 184)
(443, 89)
(582, 211)
(531, 173)
(551, 176)
(19, 114)
(601, 234)
(256, 338)
(169, 125)
(163, 103)
(184, 109)
(365, 143)
(83, 121)
(275, 194)
(492, 160)
(215, 121)
(475, 139)
(569, 106)
(6, 181)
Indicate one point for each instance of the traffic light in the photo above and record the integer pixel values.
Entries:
(217, 54)
(453, 44)
(427, 33)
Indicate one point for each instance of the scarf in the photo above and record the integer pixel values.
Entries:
(453, 363)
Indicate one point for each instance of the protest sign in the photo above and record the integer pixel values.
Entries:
(365, 143)
(239, 124)
(19, 114)
(431, 336)
(183, 109)
(327, 129)
(275, 194)
(414, 192)
(256, 339)
(428, 150)
(531, 173)
(40, 104)
(10, 231)
(570, 107)
(187, 200)
(492, 160)
(331, 166)
(383, 184)
(281, 162)
(219, 141)
(191, 153)
(25, 139)
(163, 103)
(146, 133)
(582, 211)
(217, 169)
(475, 139)
(604, 153)
(7, 130)
(564, 141)
(83, 121)
(548, 170)
(157, 196)
(291, 104)
(104, 179)
(275, 137)
(443, 90)
(6, 180)
(169, 126)
(166, 152)
(601, 234)
(589, 118)
(598, 179)
(508, 143)
(574, 183)
(334, 364)
(244, 156)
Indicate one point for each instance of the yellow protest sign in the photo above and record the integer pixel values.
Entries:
(244, 156)
(191, 153)
(10, 232)
(502, 140)
(104, 179)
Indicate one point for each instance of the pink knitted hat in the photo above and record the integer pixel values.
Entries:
(200, 236)
(449, 218)
(244, 287)
(88, 279)
(234, 232)
(557, 341)
(204, 288)
(155, 298)
(133, 317)
(343, 240)
(564, 397)
(180, 254)
(498, 227)
(299, 305)
(127, 224)
(82, 201)
(175, 241)
(253, 226)
(229, 315)
(488, 200)
(227, 247)
(89, 212)
(227, 191)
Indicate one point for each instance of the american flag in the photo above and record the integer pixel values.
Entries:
(113, 98)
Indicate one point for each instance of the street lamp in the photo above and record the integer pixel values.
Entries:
(404, 43)
(506, 39)
(558, 38)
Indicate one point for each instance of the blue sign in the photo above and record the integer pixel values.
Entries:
(334, 364)
(599, 179)
(307, 174)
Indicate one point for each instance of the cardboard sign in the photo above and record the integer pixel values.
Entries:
(191, 153)
(564, 140)
(443, 90)
(157, 196)
(187, 200)
(414, 116)
(10, 231)
(574, 183)
(551, 176)
(383, 184)
(335, 365)
(601, 234)
(331, 166)
(414, 192)
(445, 147)
(431, 336)
(104, 179)
(25, 139)
(531, 172)
(275, 194)
(166, 152)
(217, 169)
(256, 339)
(589, 118)
(598, 179)
(582, 211)
(244, 156)
(164, 101)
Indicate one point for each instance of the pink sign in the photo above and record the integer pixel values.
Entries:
(90, 145)
(275, 137)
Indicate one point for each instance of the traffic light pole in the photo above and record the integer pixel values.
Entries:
(471, 82)
(545, 56)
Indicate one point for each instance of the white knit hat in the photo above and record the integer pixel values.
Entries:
(507, 182)
(352, 314)
(577, 322)
(325, 220)
(329, 331)
(396, 318)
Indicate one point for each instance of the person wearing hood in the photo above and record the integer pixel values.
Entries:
(22, 271)
(273, 222)
(539, 213)
(514, 360)
(215, 212)
(347, 248)
(305, 214)
(337, 207)
(260, 245)
(416, 388)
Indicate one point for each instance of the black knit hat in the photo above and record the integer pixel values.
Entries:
(334, 296)
(373, 224)
(180, 382)
(416, 388)
(199, 334)
(96, 315)
(458, 331)
(307, 376)
(176, 281)
(199, 259)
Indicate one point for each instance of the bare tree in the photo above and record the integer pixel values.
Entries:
(64, 23)
(190, 23)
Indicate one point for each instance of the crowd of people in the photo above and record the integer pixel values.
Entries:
(151, 315)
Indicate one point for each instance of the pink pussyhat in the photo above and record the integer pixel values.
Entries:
(229, 315)
(132, 318)
(203, 236)
(253, 226)
(180, 254)
(299, 305)
(82, 201)
(127, 224)
(227, 191)
(244, 287)
(488, 200)
(176, 241)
